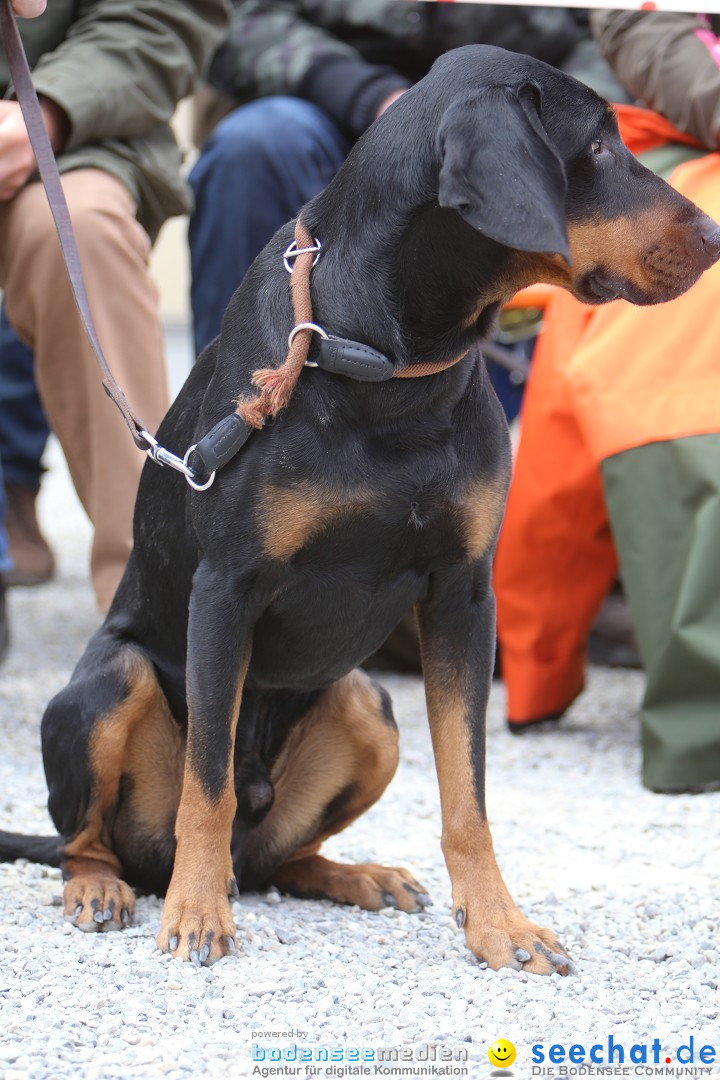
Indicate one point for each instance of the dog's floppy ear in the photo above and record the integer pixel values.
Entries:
(500, 171)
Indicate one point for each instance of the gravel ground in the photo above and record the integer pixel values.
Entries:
(627, 878)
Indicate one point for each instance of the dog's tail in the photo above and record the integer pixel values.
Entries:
(38, 849)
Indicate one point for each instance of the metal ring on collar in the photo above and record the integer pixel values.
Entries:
(292, 250)
(306, 326)
(189, 472)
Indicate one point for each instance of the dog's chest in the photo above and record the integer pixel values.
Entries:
(346, 570)
(371, 514)
(347, 561)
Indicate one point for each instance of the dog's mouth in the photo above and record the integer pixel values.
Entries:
(595, 288)
(598, 287)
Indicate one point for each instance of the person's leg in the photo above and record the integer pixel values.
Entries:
(5, 566)
(103, 460)
(261, 164)
(5, 560)
(23, 425)
(664, 506)
(23, 433)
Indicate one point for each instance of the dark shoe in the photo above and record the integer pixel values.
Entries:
(29, 551)
(4, 633)
(612, 642)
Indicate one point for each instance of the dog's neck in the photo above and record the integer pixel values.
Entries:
(423, 290)
(454, 281)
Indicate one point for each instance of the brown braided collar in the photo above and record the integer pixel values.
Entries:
(276, 385)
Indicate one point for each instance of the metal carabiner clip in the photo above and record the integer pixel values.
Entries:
(161, 456)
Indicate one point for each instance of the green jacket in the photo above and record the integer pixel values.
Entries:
(346, 55)
(118, 68)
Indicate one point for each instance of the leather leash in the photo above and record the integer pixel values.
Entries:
(339, 355)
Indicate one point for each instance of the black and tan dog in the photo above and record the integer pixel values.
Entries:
(217, 727)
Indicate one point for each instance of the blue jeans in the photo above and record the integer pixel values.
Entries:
(23, 427)
(261, 164)
(5, 560)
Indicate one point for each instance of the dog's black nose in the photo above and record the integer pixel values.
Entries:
(711, 244)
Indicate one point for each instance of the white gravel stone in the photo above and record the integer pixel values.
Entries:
(628, 880)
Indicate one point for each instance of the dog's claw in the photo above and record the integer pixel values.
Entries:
(557, 959)
(522, 955)
(422, 899)
(124, 916)
(204, 953)
(231, 946)
(195, 957)
(233, 890)
(173, 942)
(389, 900)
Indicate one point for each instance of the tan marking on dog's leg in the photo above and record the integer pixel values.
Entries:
(495, 930)
(368, 885)
(93, 869)
(197, 922)
(335, 764)
(342, 744)
(155, 762)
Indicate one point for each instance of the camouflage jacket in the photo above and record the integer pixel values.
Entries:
(346, 55)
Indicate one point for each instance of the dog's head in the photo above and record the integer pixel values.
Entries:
(534, 161)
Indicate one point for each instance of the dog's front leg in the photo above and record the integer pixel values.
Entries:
(457, 635)
(197, 922)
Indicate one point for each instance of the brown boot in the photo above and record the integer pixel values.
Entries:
(29, 551)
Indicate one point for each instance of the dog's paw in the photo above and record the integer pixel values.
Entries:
(375, 887)
(389, 886)
(99, 902)
(519, 944)
(202, 937)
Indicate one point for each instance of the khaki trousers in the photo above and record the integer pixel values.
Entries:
(104, 462)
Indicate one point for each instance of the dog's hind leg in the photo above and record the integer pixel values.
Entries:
(335, 763)
(93, 733)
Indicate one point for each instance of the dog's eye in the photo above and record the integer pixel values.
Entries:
(597, 146)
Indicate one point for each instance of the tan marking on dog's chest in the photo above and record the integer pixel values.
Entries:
(290, 517)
